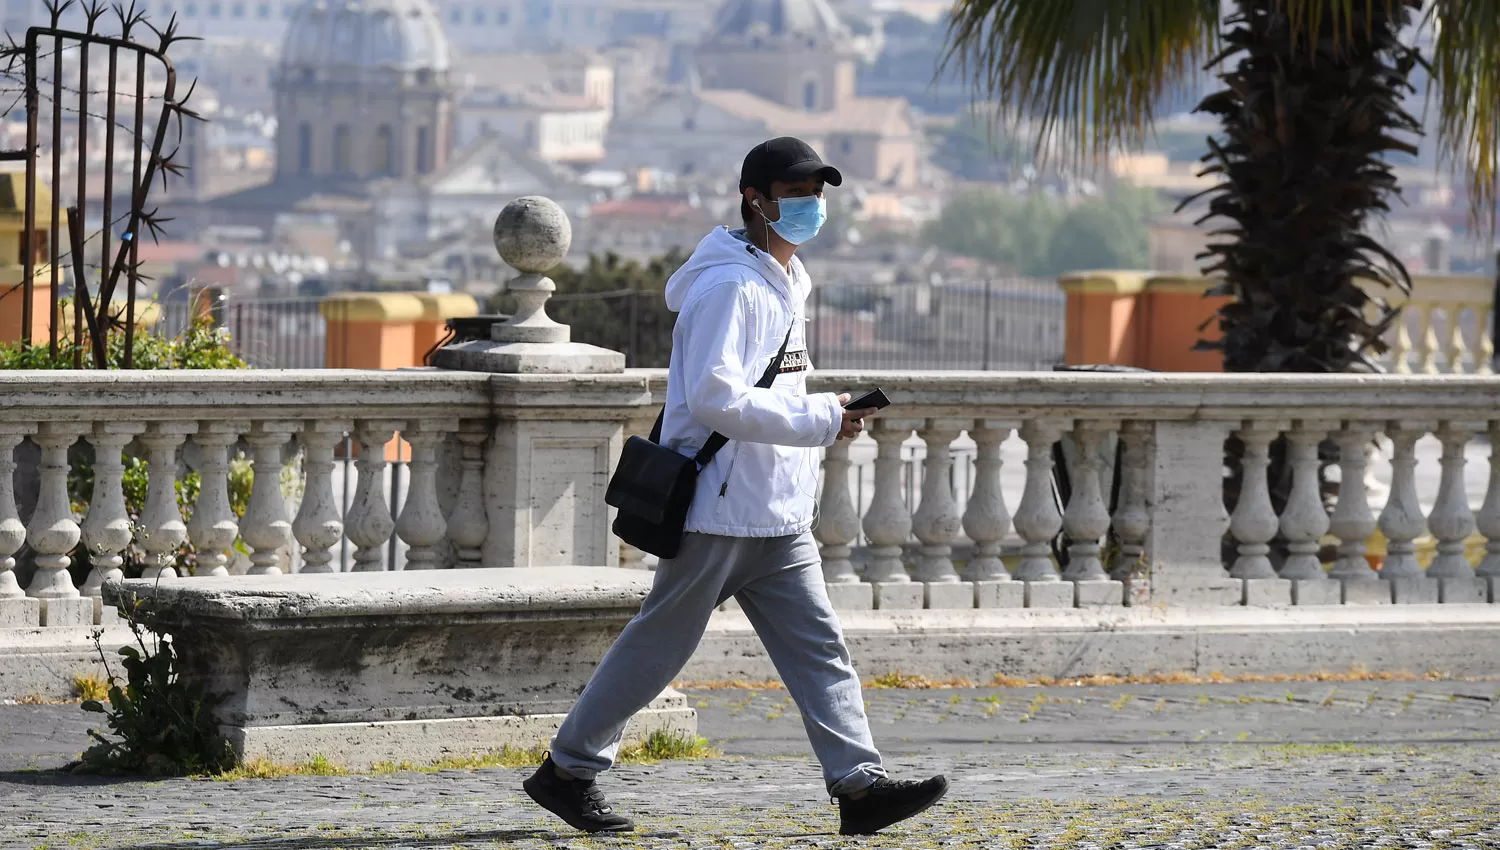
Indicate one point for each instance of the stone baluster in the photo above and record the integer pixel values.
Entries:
(468, 526)
(936, 521)
(1132, 521)
(1037, 518)
(106, 530)
(986, 519)
(369, 525)
(1304, 521)
(887, 523)
(1484, 351)
(164, 531)
(52, 532)
(213, 527)
(1488, 519)
(1353, 522)
(265, 527)
(318, 526)
(1456, 346)
(12, 530)
(1086, 519)
(421, 524)
(838, 518)
(1452, 521)
(1255, 523)
(1401, 521)
(1427, 349)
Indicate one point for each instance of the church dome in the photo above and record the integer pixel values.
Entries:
(777, 19)
(360, 35)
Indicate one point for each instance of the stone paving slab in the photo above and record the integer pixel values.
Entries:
(1315, 765)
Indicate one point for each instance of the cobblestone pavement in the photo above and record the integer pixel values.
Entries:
(1376, 765)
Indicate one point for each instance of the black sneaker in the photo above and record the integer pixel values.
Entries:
(580, 802)
(888, 801)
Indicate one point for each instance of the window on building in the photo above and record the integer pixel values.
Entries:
(190, 10)
(456, 15)
(342, 159)
(385, 159)
(263, 11)
(591, 17)
(479, 17)
(304, 148)
(846, 146)
(810, 95)
(237, 11)
(502, 16)
(567, 17)
(286, 11)
(216, 10)
(424, 149)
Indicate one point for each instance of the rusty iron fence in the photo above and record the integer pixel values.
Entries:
(64, 109)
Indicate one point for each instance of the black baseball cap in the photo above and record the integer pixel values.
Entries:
(785, 158)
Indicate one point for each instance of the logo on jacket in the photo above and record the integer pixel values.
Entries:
(796, 361)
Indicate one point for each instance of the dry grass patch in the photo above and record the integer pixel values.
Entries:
(730, 685)
(1354, 674)
(657, 747)
(906, 681)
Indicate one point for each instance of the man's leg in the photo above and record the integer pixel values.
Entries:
(648, 655)
(787, 604)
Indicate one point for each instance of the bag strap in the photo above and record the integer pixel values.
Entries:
(717, 441)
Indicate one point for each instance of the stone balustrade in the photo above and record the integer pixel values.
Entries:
(1446, 327)
(459, 504)
(950, 502)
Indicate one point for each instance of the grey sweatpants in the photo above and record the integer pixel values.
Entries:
(778, 581)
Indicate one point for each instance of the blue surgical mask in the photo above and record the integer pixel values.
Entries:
(801, 218)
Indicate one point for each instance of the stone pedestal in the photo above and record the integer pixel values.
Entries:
(898, 596)
(999, 594)
(1188, 517)
(948, 595)
(547, 465)
(1268, 592)
(21, 613)
(393, 666)
(563, 408)
(1049, 594)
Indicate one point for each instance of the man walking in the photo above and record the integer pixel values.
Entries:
(740, 302)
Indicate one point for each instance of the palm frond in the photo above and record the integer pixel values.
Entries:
(1092, 71)
(1466, 90)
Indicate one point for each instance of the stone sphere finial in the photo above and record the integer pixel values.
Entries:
(533, 234)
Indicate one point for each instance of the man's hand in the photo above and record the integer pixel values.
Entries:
(854, 420)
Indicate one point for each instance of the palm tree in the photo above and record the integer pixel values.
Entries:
(1311, 107)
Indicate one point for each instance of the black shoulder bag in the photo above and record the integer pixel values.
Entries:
(653, 486)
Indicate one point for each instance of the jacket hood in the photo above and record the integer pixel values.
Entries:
(723, 247)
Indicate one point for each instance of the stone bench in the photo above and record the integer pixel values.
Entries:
(368, 667)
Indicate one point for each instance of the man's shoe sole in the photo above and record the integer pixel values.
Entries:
(920, 809)
(546, 802)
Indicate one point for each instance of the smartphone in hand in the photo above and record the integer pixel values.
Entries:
(872, 400)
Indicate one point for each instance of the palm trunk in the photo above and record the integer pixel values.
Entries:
(1308, 123)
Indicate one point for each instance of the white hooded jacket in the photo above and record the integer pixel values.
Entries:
(735, 304)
